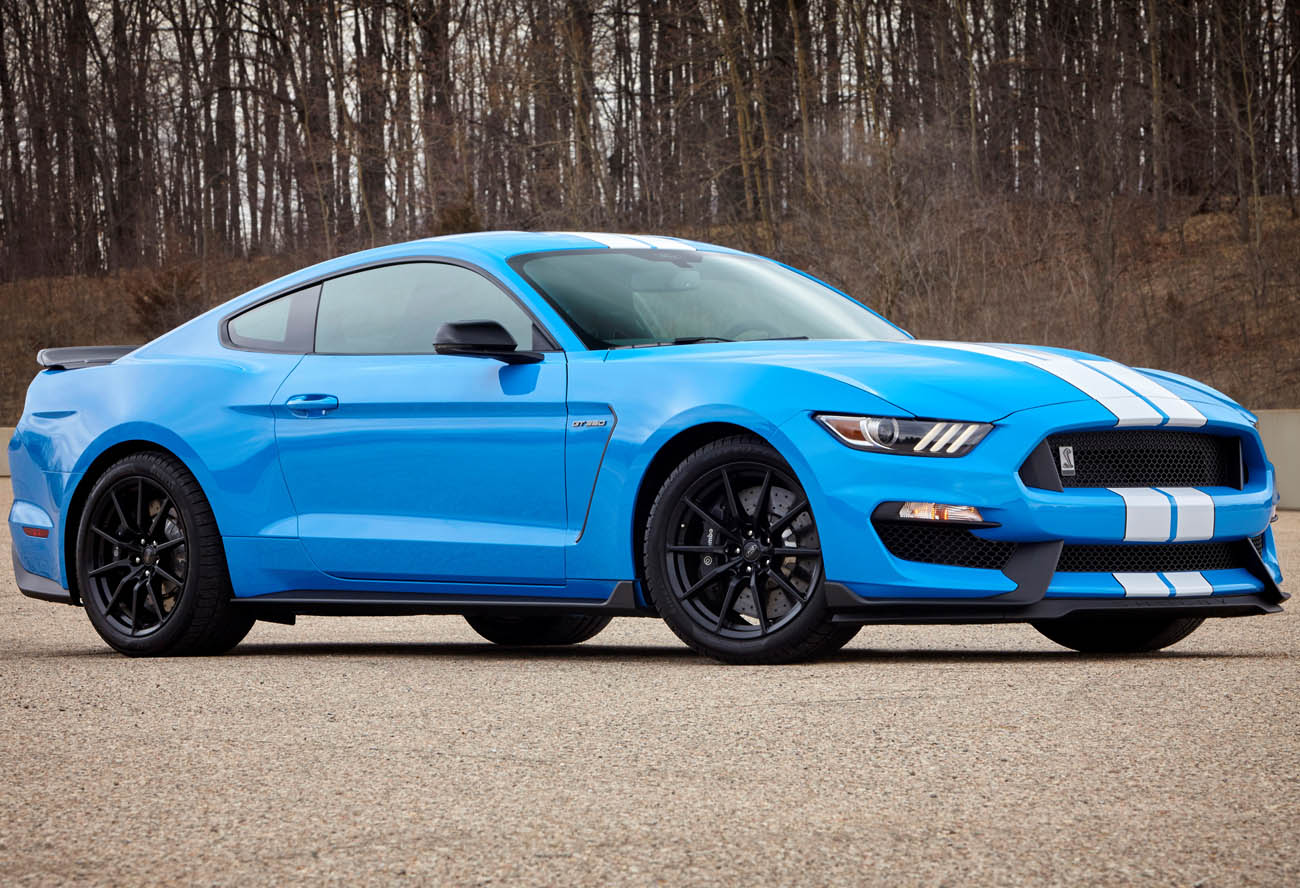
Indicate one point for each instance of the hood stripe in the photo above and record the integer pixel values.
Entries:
(1128, 408)
(1180, 412)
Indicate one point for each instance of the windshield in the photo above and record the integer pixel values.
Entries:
(621, 298)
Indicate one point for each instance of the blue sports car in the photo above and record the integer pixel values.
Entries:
(541, 431)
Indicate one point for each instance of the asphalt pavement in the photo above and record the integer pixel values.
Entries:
(405, 750)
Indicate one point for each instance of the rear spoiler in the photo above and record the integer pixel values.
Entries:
(81, 356)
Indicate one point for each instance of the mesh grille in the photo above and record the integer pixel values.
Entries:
(943, 545)
(1258, 543)
(1149, 558)
(1149, 458)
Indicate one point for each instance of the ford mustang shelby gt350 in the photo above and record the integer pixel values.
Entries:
(541, 431)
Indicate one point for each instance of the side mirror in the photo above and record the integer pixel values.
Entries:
(481, 339)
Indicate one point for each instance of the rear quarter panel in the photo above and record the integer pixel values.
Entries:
(207, 405)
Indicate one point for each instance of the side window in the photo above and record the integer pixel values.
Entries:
(397, 309)
(280, 325)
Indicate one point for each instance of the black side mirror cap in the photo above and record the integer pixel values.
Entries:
(481, 339)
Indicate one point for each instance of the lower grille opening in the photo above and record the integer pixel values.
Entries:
(943, 544)
(1150, 557)
(959, 547)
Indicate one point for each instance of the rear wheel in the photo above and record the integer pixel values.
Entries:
(150, 564)
(542, 629)
(733, 559)
(1095, 634)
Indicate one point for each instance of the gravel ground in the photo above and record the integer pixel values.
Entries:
(344, 751)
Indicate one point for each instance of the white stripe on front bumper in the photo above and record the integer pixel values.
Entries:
(1142, 585)
(1148, 516)
(1195, 510)
(1189, 583)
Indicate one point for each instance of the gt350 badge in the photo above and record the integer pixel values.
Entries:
(588, 423)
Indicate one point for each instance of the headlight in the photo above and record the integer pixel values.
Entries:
(913, 437)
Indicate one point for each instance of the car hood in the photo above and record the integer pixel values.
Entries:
(974, 381)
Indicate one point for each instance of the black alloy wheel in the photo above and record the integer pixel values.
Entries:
(733, 558)
(138, 556)
(151, 569)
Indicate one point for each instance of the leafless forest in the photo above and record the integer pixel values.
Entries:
(1118, 176)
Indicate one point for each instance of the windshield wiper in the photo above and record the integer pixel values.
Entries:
(691, 340)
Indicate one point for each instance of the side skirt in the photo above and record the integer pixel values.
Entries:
(282, 606)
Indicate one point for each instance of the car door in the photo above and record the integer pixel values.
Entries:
(408, 465)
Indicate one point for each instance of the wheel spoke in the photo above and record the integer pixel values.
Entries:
(787, 551)
(709, 577)
(759, 609)
(788, 586)
(163, 505)
(135, 609)
(103, 569)
(728, 602)
(690, 504)
(781, 523)
(157, 604)
(112, 495)
(167, 576)
(139, 503)
(761, 504)
(168, 544)
(117, 592)
(733, 504)
(114, 540)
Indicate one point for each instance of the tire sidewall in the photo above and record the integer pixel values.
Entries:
(812, 617)
(179, 621)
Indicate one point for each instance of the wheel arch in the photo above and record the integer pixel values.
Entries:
(81, 493)
(661, 465)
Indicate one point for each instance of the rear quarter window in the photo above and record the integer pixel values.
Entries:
(284, 324)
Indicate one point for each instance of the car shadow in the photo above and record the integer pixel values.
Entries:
(487, 652)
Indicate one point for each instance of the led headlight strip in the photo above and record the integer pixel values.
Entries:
(912, 437)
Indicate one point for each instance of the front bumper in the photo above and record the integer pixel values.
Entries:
(871, 582)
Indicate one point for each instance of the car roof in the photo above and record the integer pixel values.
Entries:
(504, 244)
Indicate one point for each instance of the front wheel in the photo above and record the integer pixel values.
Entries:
(1096, 634)
(733, 559)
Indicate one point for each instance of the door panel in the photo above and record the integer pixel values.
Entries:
(427, 467)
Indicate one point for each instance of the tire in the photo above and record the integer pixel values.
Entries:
(713, 564)
(150, 565)
(1094, 634)
(542, 629)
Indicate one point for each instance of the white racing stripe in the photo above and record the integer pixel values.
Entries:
(1142, 585)
(664, 243)
(1129, 409)
(1195, 513)
(613, 241)
(1188, 583)
(1180, 412)
(1148, 517)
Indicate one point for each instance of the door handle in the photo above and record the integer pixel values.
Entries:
(312, 405)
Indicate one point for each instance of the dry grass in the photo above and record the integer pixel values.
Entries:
(1193, 299)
